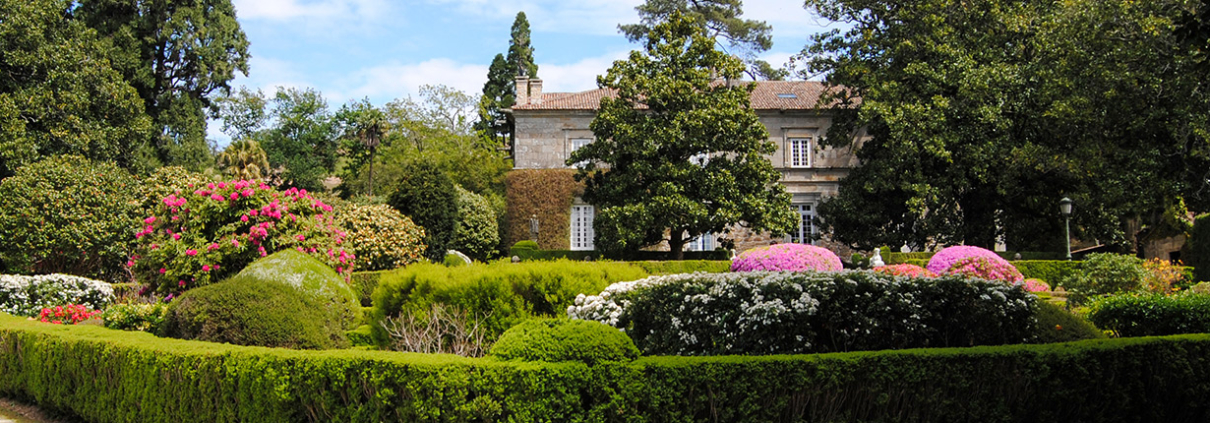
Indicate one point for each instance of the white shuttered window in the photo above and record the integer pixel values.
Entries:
(581, 227)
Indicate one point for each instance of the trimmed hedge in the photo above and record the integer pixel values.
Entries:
(1153, 314)
(502, 293)
(1050, 271)
(526, 254)
(554, 340)
(103, 375)
(683, 266)
(890, 257)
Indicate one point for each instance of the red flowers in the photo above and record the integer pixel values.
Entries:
(69, 314)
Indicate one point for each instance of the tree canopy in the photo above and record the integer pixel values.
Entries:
(59, 92)
(981, 115)
(721, 18)
(678, 153)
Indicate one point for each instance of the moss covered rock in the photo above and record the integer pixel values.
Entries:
(287, 299)
(554, 340)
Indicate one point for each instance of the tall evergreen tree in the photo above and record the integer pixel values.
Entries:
(721, 19)
(177, 54)
(500, 91)
(520, 52)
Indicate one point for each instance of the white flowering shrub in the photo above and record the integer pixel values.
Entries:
(27, 295)
(807, 312)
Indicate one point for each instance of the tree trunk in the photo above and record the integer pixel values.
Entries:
(676, 244)
(978, 220)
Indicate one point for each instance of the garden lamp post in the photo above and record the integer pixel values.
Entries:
(1065, 208)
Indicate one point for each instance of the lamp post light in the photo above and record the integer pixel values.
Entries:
(1065, 208)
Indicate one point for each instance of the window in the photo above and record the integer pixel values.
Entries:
(806, 226)
(581, 228)
(576, 143)
(787, 95)
(800, 152)
(701, 243)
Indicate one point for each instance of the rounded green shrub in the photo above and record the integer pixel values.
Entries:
(69, 215)
(1152, 314)
(554, 340)
(287, 300)
(477, 234)
(1058, 325)
(525, 245)
(1103, 274)
(427, 195)
(381, 237)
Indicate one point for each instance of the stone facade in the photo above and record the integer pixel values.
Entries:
(549, 126)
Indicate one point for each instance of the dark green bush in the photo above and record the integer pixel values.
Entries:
(288, 299)
(554, 340)
(477, 234)
(1050, 271)
(426, 195)
(113, 376)
(268, 315)
(1153, 314)
(807, 312)
(1055, 324)
(69, 215)
(1199, 249)
(502, 293)
(364, 284)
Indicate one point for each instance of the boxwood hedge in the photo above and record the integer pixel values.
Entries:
(103, 375)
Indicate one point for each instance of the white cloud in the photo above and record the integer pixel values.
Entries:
(383, 83)
(578, 76)
(280, 10)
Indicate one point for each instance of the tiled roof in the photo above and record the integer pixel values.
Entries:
(768, 95)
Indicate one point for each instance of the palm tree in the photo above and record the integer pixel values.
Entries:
(245, 159)
(370, 127)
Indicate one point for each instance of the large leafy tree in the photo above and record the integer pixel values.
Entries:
(678, 154)
(745, 38)
(980, 115)
(59, 93)
(303, 141)
(178, 54)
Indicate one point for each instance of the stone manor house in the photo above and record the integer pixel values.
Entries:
(549, 126)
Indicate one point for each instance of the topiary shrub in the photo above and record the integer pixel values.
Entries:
(477, 234)
(1103, 274)
(381, 237)
(1199, 248)
(195, 238)
(809, 312)
(941, 262)
(68, 215)
(787, 257)
(288, 299)
(554, 340)
(1152, 314)
(904, 269)
(525, 245)
(1054, 324)
(427, 195)
(28, 295)
(996, 269)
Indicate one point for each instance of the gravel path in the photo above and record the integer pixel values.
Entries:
(18, 412)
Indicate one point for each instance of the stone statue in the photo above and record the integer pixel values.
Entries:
(876, 259)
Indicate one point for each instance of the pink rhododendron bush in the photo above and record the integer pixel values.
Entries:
(1036, 285)
(193, 239)
(973, 262)
(908, 270)
(787, 257)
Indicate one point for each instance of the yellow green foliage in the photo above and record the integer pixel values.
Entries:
(381, 237)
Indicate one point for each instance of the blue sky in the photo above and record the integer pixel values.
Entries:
(383, 50)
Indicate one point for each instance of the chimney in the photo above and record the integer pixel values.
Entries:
(522, 90)
(535, 91)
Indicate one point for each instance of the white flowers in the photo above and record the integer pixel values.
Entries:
(27, 295)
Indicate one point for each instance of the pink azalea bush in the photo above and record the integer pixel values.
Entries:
(909, 270)
(196, 238)
(946, 258)
(982, 267)
(787, 257)
(1036, 285)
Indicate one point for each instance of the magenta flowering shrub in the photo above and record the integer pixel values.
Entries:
(787, 257)
(1036, 285)
(981, 267)
(944, 259)
(196, 238)
(908, 270)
